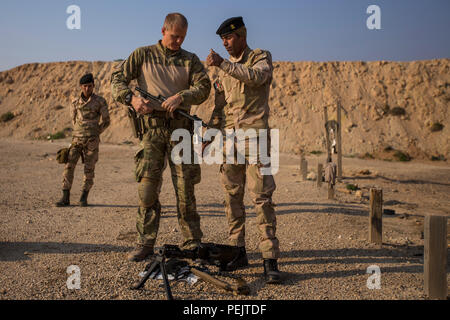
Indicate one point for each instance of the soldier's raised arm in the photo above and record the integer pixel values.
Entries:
(256, 75)
(200, 85)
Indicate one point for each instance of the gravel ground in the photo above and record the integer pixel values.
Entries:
(325, 252)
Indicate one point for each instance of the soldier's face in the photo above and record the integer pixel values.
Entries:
(87, 89)
(173, 38)
(233, 44)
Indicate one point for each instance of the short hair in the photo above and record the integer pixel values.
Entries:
(173, 19)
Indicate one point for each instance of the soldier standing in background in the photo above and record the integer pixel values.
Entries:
(241, 102)
(163, 69)
(85, 112)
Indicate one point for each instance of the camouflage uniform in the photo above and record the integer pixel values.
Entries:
(85, 116)
(159, 70)
(241, 102)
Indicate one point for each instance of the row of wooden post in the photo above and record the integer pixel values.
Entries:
(435, 227)
(435, 236)
(435, 247)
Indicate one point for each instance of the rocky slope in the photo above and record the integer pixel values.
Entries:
(386, 105)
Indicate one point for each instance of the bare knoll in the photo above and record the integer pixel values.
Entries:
(401, 105)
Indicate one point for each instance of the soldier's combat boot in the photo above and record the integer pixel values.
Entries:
(83, 199)
(65, 200)
(239, 261)
(140, 253)
(271, 272)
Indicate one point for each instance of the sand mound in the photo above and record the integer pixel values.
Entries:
(398, 105)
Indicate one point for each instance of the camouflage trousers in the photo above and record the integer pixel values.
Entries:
(87, 147)
(261, 187)
(151, 161)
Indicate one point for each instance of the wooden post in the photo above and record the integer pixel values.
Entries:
(303, 167)
(435, 257)
(375, 216)
(330, 191)
(339, 144)
(327, 134)
(319, 175)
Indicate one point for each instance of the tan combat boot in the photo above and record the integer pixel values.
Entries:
(140, 253)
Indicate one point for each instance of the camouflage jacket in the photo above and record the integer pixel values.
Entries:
(85, 116)
(242, 91)
(159, 70)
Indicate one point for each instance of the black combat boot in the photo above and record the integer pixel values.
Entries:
(65, 200)
(271, 272)
(239, 261)
(83, 199)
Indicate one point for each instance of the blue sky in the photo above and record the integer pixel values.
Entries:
(302, 30)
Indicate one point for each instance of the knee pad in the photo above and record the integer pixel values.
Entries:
(148, 192)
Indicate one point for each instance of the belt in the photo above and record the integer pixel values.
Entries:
(158, 122)
(169, 123)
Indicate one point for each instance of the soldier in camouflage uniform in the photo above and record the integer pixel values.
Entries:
(241, 102)
(166, 69)
(85, 111)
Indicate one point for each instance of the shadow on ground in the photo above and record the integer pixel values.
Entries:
(408, 260)
(296, 207)
(15, 251)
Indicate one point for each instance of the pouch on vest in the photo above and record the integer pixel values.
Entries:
(62, 156)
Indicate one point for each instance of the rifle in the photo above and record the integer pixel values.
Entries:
(215, 254)
(160, 99)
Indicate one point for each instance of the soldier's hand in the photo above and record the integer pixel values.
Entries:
(141, 105)
(214, 59)
(172, 103)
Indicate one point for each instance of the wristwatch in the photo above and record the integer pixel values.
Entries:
(127, 99)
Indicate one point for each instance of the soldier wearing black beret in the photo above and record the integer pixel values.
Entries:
(230, 25)
(90, 117)
(241, 102)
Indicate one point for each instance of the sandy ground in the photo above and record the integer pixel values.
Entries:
(325, 252)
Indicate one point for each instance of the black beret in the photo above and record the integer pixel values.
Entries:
(87, 78)
(230, 25)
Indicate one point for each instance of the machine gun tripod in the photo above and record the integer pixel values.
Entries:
(211, 253)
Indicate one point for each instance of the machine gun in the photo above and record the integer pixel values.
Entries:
(160, 99)
(215, 254)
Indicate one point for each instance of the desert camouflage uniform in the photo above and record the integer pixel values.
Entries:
(159, 70)
(241, 102)
(85, 116)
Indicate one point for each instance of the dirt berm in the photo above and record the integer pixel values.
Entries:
(387, 106)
